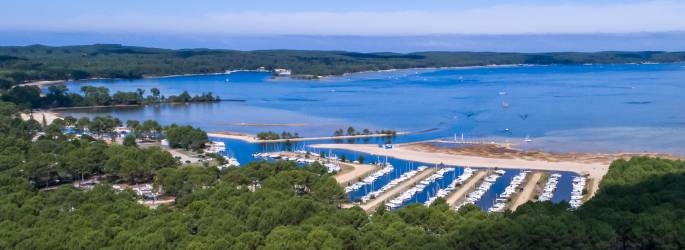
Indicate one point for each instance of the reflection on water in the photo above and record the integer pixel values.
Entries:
(572, 105)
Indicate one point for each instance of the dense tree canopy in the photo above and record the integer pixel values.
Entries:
(58, 96)
(186, 137)
(38, 62)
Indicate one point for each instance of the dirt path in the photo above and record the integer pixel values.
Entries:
(528, 191)
(371, 205)
(453, 198)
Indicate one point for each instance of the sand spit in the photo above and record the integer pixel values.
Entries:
(254, 139)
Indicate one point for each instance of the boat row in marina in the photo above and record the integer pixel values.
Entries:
(501, 201)
(406, 176)
(550, 187)
(330, 167)
(215, 147)
(230, 162)
(409, 193)
(579, 183)
(474, 196)
(387, 168)
(442, 193)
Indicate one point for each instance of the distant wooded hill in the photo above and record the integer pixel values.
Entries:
(20, 64)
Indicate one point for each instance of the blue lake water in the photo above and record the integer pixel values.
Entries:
(563, 108)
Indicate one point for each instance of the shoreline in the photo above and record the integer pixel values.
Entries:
(595, 170)
(46, 83)
(62, 109)
(95, 107)
(253, 139)
(442, 68)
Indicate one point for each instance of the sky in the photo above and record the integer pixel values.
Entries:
(209, 22)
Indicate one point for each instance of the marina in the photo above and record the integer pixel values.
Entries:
(385, 173)
(505, 197)
(550, 187)
(444, 192)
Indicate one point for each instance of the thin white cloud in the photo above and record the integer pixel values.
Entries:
(652, 16)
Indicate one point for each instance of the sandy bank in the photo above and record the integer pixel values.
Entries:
(254, 139)
(595, 170)
(38, 116)
(42, 84)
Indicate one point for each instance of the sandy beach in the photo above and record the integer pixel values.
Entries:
(371, 205)
(594, 170)
(528, 191)
(254, 139)
(38, 116)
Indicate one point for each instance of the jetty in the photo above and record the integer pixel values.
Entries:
(528, 191)
(455, 197)
(372, 204)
